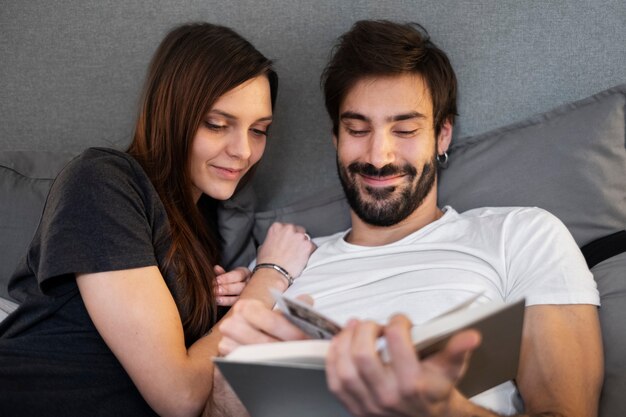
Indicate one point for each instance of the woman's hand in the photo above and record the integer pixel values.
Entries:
(288, 246)
(230, 284)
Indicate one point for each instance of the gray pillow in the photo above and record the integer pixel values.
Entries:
(25, 179)
(235, 220)
(611, 278)
(570, 161)
(6, 308)
(320, 215)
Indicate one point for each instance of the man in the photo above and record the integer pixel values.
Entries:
(391, 94)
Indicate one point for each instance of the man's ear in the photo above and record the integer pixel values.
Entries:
(335, 141)
(445, 137)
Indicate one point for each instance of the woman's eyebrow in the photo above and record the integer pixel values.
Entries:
(233, 117)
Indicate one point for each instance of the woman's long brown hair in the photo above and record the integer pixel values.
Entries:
(193, 66)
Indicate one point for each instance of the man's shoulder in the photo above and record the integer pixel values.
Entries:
(509, 214)
(517, 223)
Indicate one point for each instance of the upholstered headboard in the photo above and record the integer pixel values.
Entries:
(542, 113)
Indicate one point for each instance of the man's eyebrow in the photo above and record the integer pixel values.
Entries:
(353, 115)
(407, 116)
(396, 118)
(232, 117)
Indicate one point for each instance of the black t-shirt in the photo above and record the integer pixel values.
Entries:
(102, 214)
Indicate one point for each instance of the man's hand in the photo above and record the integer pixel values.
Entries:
(230, 284)
(406, 386)
(252, 322)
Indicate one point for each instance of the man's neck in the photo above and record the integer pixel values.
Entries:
(365, 234)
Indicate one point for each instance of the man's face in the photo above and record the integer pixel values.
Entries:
(386, 153)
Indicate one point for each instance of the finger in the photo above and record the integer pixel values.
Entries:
(365, 352)
(340, 370)
(306, 299)
(226, 346)
(243, 332)
(415, 378)
(227, 300)
(236, 275)
(245, 271)
(454, 358)
(218, 270)
(231, 289)
(268, 321)
(381, 384)
(403, 358)
(352, 362)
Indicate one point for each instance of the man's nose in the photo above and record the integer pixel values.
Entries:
(381, 150)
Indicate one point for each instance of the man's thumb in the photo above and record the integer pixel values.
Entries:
(306, 299)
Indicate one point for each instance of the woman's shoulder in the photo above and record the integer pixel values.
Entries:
(102, 174)
(98, 159)
(102, 165)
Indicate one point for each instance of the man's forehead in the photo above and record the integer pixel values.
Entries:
(388, 97)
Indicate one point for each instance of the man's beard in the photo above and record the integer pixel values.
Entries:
(386, 206)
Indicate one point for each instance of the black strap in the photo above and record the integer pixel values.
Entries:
(604, 248)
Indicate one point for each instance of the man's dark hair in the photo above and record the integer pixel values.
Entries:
(383, 48)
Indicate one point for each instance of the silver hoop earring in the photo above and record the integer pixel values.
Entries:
(442, 160)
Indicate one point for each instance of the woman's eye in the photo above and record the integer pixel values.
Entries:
(214, 127)
(259, 132)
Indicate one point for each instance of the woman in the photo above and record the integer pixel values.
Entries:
(120, 286)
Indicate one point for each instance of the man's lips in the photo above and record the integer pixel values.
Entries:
(386, 181)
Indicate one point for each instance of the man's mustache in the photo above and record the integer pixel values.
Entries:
(386, 171)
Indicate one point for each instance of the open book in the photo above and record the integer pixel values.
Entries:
(288, 378)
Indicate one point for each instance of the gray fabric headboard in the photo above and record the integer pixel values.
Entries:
(72, 70)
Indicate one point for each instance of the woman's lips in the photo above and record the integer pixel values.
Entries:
(227, 173)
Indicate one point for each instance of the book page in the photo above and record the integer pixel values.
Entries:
(306, 352)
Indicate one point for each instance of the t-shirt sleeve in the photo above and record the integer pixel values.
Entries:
(544, 264)
(95, 220)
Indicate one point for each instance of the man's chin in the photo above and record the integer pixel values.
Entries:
(377, 216)
(378, 206)
(373, 194)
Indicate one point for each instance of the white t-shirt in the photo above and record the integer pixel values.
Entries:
(503, 253)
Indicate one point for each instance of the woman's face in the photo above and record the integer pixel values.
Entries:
(231, 139)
